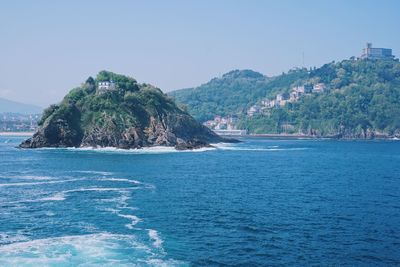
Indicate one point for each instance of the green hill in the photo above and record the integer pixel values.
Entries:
(232, 93)
(362, 100)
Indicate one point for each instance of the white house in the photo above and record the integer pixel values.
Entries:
(319, 87)
(106, 86)
(268, 103)
(253, 110)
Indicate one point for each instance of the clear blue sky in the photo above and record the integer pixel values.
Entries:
(49, 47)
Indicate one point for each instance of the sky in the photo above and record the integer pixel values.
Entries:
(50, 47)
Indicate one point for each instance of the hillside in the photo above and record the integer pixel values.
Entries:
(233, 93)
(8, 106)
(115, 111)
(361, 100)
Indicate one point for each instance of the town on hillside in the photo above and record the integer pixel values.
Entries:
(228, 125)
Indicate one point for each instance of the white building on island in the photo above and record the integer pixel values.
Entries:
(106, 86)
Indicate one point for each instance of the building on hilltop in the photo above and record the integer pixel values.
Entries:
(106, 86)
(370, 52)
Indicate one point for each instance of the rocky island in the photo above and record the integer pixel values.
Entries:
(115, 111)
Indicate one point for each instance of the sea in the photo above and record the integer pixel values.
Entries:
(261, 202)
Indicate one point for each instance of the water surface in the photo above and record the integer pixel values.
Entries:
(260, 202)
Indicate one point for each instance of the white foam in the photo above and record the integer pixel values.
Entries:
(120, 180)
(157, 241)
(244, 147)
(56, 197)
(114, 211)
(223, 145)
(98, 189)
(12, 238)
(122, 200)
(96, 172)
(134, 220)
(146, 185)
(34, 177)
(101, 249)
(144, 150)
(60, 196)
(249, 148)
(38, 183)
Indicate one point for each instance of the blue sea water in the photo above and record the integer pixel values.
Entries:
(256, 203)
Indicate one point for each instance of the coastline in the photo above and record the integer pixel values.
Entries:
(304, 136)
(16, 133)
(277, 136)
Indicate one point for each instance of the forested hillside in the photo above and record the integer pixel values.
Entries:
(362, 100)
(232, 93)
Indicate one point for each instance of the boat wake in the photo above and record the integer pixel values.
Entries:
(107, 192)
(100, 249)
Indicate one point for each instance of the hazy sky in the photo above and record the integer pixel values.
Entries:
(49, 47)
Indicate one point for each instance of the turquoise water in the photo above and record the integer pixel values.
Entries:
(257, 203)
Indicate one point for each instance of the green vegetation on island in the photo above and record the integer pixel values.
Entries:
(115, 111)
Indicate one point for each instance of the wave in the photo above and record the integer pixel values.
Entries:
(157, 241)
(134, 219)
(62, 195)
(236, 147)
(32, 177)
(100, 249)
(99, 189)
(121, 200)
(144, 150)
(38, 183)
(12, 238)
(56, 197)
(278, 149)
(95, 172)
(165, 149)
(146, 185)
(120, 180)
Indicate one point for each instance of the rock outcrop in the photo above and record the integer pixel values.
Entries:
(133, 116)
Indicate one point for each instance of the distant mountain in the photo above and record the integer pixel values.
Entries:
(233, 93)
(8, 106)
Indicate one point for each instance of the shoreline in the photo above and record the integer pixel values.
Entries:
(16, 133)
(311, 137)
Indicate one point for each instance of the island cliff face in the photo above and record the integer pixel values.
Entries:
(115, 111)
